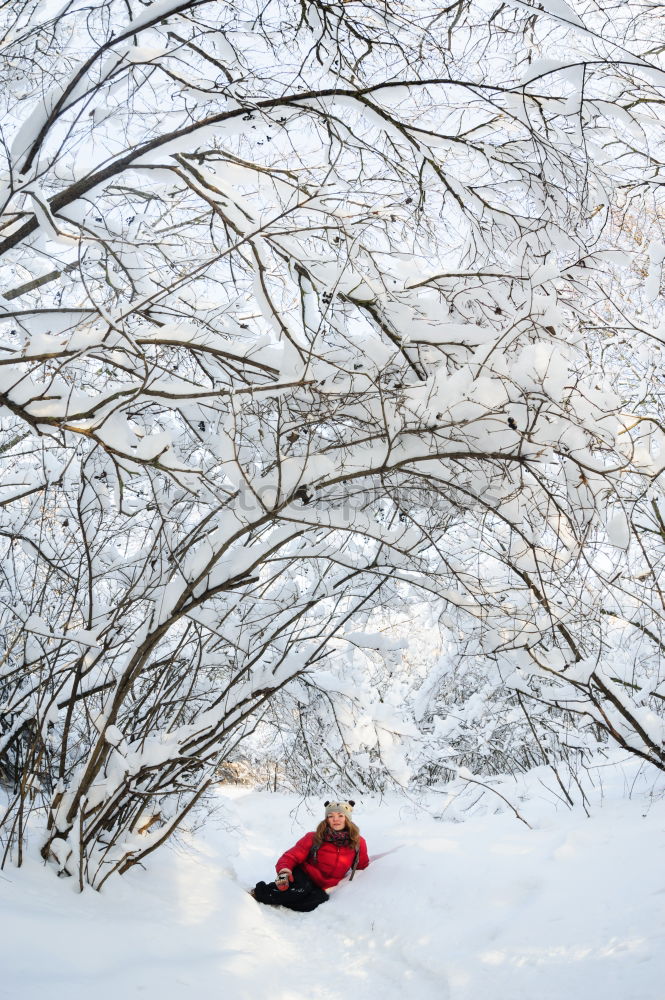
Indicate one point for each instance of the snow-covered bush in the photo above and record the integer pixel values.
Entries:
(290, 329)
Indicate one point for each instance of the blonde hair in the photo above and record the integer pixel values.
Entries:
(352, 829)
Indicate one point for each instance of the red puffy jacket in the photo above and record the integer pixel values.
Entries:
(331, 865)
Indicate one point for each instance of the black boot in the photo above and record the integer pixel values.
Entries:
(268, 894)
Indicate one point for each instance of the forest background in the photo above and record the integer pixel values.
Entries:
(331, 439)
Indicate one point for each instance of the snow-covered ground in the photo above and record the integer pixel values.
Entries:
(484, 909)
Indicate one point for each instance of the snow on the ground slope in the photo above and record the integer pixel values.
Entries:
(484, 909)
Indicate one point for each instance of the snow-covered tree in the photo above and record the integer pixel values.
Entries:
(295, 323)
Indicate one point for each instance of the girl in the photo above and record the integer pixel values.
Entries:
(317, 862)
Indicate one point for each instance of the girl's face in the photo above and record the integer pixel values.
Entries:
(337, 821)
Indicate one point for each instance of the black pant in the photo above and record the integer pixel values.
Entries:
(302, 895)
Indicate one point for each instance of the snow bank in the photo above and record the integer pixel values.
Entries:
(484, 909)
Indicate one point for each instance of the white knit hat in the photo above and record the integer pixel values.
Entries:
(339, 807)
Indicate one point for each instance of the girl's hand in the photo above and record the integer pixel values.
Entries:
(284, 877)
